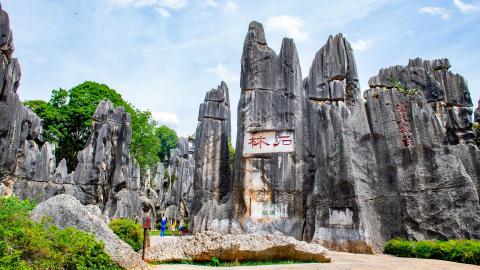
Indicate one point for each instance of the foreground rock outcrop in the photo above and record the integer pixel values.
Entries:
(245, 247)
(66, 211)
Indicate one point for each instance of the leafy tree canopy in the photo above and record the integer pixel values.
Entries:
(168, 140)
(67, 121)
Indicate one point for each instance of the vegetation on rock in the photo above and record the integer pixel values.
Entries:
(464, 251)
(67, 121)
(129, 231)
(25, 244)
(402, 88)
(476, 131)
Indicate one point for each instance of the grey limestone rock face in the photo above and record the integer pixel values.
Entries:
(446, 92)
(269, 181)
(212, 176)
(17, 123)
(476, 116)
(66, 211)
(174, 183)
(351, 173)
(333, 74)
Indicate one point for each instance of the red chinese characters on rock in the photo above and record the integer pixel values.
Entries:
(260, 140)
(257, 141)
(404, 125)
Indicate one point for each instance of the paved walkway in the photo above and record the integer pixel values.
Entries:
(345, 261)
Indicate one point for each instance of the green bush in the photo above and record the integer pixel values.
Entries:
(464, 251)
(129, 231)
(25, 244)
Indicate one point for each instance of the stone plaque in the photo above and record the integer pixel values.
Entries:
(260, 210)
(265, 142)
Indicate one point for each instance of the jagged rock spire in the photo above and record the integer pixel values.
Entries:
(212, 177)
(333, 74)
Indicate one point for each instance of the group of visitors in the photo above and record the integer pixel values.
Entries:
(173, 226)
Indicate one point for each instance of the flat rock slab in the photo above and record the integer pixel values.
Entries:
(345, 261)
(230, 247)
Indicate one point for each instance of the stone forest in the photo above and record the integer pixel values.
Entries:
(318, 164)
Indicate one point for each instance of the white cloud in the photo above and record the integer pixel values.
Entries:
(465, 7)
(442, 12)
(163, 12)
(165, 118)
(223, 72)
(171, 4)
(211, 3)
(231, 6)
(362, 44)
(289, 25)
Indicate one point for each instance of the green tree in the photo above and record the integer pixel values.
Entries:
(231, 155)
(168, 140)
(67, 120)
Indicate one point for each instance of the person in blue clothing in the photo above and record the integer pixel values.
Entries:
(163, 223)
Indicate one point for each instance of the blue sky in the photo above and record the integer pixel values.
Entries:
(163, 55)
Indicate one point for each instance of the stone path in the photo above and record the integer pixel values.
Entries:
(345, 261)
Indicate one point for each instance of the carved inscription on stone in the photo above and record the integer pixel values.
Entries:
(268, 142)
(261, 210)
(404, 125)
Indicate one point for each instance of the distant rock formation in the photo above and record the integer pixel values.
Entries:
(316, 161)
(174, 183)
(476, 116)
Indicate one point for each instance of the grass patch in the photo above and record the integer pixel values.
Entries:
(167, 233)
(463, 251)
(215, 262)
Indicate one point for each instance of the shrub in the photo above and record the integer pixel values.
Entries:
(128, 231)
(464, 251)
(25, 244)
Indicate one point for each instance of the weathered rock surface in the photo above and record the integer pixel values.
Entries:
(446, 92)
(212, 178)
(66, 211)
(476, 116)
(269, 182)
(247, 247)
(18, 125)
(174, 183)
(317, 162)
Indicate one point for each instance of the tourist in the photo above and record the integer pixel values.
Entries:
(163, 223)
(173, 227)
(181, 227)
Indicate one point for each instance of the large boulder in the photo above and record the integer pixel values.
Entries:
(66, 211)
(230, 247)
